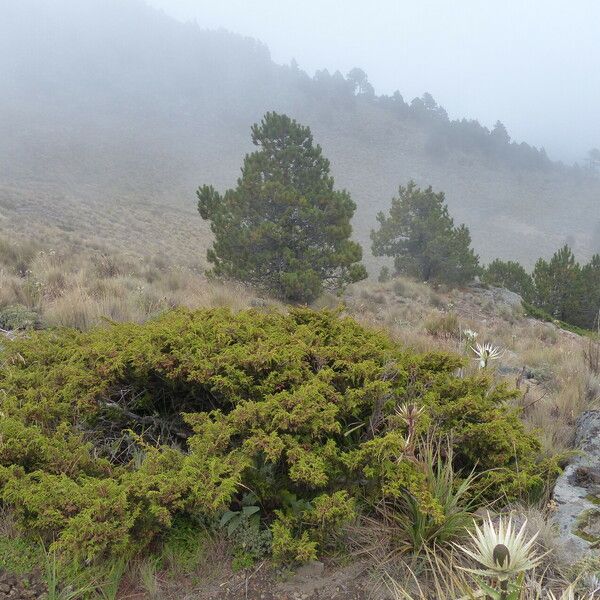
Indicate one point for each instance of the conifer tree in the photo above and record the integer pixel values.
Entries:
(589, 289)
(510, 275)
(283, 227)
(421, 236)
(557, 286)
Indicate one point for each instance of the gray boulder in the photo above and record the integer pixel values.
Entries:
(577, 494)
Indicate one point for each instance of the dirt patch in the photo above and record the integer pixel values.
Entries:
(314, 581)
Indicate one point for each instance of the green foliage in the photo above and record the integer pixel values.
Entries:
(184, 546)
(17, 317)
(61, 586)
(384, 275)
(284, 227)
(589, 312)
(110, 438)
(421, 237)
(559, 289)
(566, 291)
(556, 284)
(420, 529)
(510, 275)
(20, 555)
(244, 530)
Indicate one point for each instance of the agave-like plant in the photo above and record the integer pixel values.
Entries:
(470, 335)
(502, 552)
(409, 413)
(486, 352)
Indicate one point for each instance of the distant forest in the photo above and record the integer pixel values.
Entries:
(444, 135)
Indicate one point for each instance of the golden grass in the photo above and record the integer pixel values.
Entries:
(74, 287)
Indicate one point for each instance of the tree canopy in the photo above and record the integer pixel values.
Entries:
(556, 282)
(510, 275)
(420, 235)
(284, 227)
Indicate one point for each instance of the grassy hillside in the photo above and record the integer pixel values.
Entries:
(106, 131)
(554, 372)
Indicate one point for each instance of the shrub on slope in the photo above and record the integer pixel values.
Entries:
(107, 436)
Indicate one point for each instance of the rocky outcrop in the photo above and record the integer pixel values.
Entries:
(21, 588)
(577, 493)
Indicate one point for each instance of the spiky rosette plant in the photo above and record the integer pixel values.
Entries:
(503, 555)
(485, 353)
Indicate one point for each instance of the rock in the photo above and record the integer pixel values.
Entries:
(258, 303)
(21, 588)
(310, 570)
(499, 296)
(577, 494)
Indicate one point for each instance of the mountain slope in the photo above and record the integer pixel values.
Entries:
(112, 107)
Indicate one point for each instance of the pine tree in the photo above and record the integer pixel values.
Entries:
(510, 275)
(421, 237)
(283, 228)
(590, 293)
(557, 286)
(500, 134)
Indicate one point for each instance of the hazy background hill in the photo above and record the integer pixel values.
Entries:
(112, 114)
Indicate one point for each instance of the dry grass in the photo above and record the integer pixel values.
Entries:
(84, 287)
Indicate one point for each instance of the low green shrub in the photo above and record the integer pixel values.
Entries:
(184, 546)
(112, 437)
(18, 317)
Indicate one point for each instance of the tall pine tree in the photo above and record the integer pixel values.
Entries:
(284, 227)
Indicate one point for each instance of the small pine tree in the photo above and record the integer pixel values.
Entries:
(384, 274)
(510, 275)
(283, 228)
(557, 284)
(590, 293)
(421, 237)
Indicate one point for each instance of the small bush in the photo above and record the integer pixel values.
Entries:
(400, 288)
(436, 301)
(384, 275)
(447, 326)
(18, 317)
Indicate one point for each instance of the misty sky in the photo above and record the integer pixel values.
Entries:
(533, 64)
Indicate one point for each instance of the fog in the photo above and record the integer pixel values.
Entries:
(125, 101)
(533, 65)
